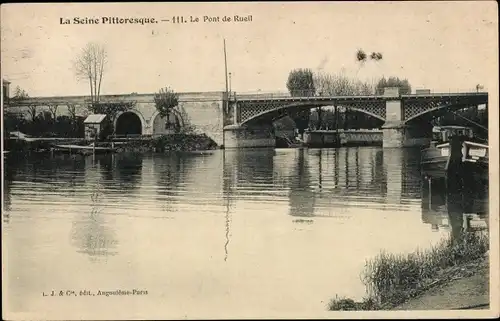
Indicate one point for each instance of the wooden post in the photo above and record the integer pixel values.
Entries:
(429, 182)
(337, 137)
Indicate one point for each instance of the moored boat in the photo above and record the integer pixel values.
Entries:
(435, 158)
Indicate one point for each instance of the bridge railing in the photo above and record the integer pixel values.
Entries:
(309, 93)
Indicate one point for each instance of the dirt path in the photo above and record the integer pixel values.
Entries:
(469, 292)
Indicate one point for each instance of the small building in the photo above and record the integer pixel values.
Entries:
(94, 126)
(6, 91)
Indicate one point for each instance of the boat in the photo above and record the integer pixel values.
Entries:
(436, 158)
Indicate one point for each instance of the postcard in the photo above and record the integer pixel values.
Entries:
(260, 160)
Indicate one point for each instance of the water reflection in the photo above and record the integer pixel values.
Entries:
(128, 171)
(302, 197)
(9, 176)
(445, 207)
(167, 171)
(219, 215)
(91, 233)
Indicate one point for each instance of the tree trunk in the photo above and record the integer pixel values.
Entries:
(91, 93)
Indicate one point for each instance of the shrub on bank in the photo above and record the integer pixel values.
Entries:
(391, 279)
(173, 142)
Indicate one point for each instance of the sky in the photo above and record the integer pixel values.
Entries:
(443, 46)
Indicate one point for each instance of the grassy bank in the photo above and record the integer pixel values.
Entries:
(392, 279)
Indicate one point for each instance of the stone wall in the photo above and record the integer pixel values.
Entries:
(242, 137)
(393, 137)
(201, 112)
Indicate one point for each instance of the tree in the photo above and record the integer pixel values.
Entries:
(165, 100)
(71, 111)
(72, 115)
(301, 83)
(89, 65)
(403, 85)
(20, 94)
(341, 85)
(32, 112)
(53, 111)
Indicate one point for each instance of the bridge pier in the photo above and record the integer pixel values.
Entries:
(396, 132)
(397, 135)
(236, 136)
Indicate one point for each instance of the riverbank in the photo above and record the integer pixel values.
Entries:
(464, 291)
(172, 142)
(403, 282)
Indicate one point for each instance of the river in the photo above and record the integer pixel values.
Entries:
(242, 233)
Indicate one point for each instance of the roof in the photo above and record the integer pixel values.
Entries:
(94, 119)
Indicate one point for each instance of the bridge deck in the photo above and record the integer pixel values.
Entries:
(287, 97)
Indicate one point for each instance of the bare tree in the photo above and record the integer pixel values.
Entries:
(90, 65)
(53, 111)
(32, 112)
(71, 111)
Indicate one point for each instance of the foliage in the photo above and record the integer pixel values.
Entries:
(391, 279)
(111, 109)
(300, 83)
(165, 100)
(376, 56)
(361, 55)
(403, 84)
(388, 277)
(183, 142)
(346, 304)
(44, 125)
(340, 85)
(89, 65)
(346, 120)
(186, 126)
(20, 94)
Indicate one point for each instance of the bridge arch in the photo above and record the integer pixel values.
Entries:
(161, 125)
(279, 110)
(436, 112)
(130, 122)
